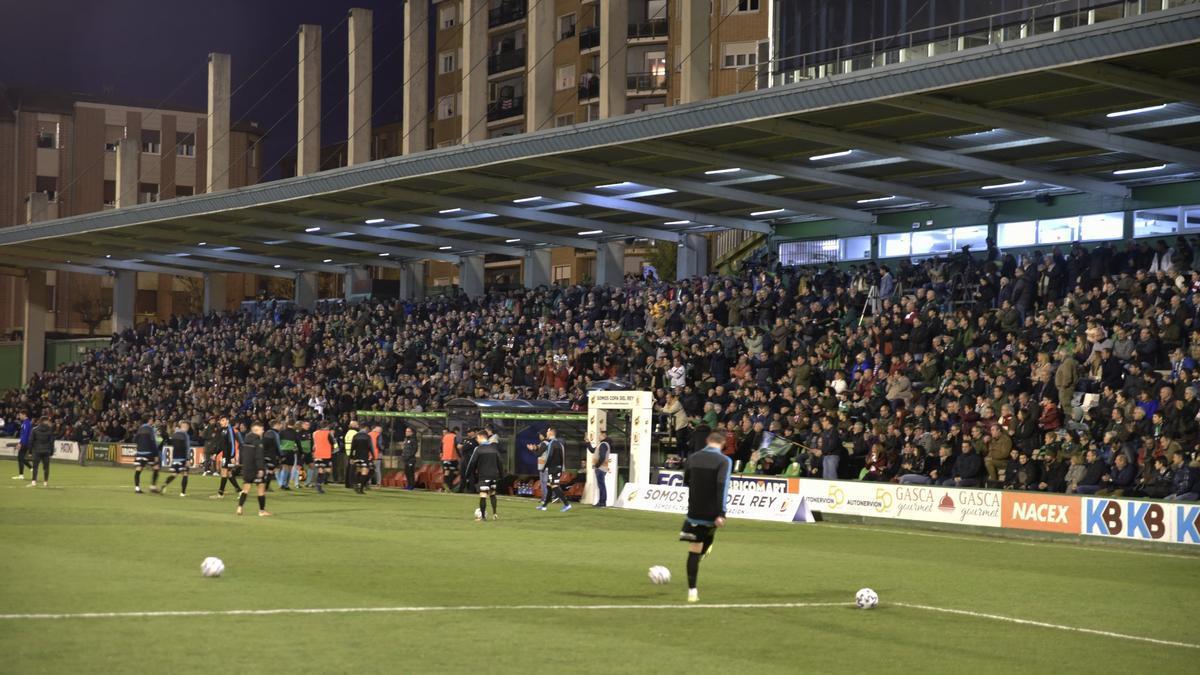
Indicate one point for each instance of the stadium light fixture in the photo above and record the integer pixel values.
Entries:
(1144, 169)
(588, 233)
(769, 212)
(384, 255)
(877, 199)
(1000, 186)
(511, 241)
(614, 186)
(374, 221)
(312, 229)
(1137, 111)
(524, 200)
(677, 222)
(327, 260)
(829, 155)
(204, 243)
(444, 248)
(716, 172)
(277, 266)
(445, 211)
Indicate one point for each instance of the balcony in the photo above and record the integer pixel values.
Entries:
(589, 38)
(653, 29)
(506, 13)
(506, 108)
(646, 83)
(505, 61)
(589, 89)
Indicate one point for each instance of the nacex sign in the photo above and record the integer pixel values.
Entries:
(1047, 513)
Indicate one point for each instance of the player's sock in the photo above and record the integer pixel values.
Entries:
(168, 481)
(262, 502)
(693, 568)
(224, 482)
(183, 485)
(483, 506)
(493, 498)
(242, 499)
(234, 483)
(707, 545)
(137, 479)
(154, 477)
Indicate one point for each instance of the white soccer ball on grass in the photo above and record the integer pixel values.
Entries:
(212, 567)
(866, 598)
(659, 575)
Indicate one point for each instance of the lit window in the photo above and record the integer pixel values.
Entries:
(855, 248)
(895, 245)
(561, 273)
(1012, 235)
(810, 252)
(974, 236)
(1101, 226)
(1057, 230)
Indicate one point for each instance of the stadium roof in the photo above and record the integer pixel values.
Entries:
(1096, 109)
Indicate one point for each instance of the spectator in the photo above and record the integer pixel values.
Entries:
(1183, 479)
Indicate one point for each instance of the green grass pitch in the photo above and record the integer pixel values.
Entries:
(90, 545)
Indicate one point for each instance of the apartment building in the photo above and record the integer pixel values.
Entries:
(64, 145)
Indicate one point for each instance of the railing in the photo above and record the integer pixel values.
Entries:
(590, 89)
(653, 28)
(507, 12)
(645, 82)
(996, 28)
(505, 108)
(510, 60)
(589, 38)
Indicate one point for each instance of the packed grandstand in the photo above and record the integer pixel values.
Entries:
(1062, 370)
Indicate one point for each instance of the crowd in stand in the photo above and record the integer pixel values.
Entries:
(1064, 371)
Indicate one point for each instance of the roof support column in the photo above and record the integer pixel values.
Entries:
(214, 292)
(694, 21)
(129, 151)
(614, 37)
(217, 133)
(308, 116)
(536, 268)
(358, 116)
(470, 275)
(692, 259)
(474, 67)
(539, 97)
(33, 345)
(610, 264)
(416, 77)
(412, 280)
(305, 293)
(124, 291)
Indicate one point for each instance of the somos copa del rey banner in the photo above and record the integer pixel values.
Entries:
(786, 508)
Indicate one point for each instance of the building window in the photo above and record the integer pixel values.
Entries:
(448, 61)
(739, 54)
(185, 145)
(147, 192)
(1093, 227)
(854, 248)
(732, 6)
(593, 112)
(566, 78)
(448, 16)
(566, 26)
(448, 106)
(110, 193)
(184, 191)
(151, 141)
(46, 140)
(48, 185)
(564, 120)
(561, 273)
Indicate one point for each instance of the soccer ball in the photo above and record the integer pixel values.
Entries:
(478, 514)
(212, 567)
(659, 575)
(866, 598)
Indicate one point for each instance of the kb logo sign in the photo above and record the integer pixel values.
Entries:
(1120, 518)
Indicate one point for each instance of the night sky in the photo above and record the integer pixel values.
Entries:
(145, 49)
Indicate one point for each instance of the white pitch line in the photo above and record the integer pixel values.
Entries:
(1043, 624)
(401, 610)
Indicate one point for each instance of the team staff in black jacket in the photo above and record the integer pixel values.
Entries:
(148, 454)
(556, 455)
(254, 469)
(41, 445)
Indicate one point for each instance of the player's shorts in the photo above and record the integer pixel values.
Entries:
(227, 462)
(178, 466)
(448, 465)
(487, 486)
(250, 475)
(696, 532)
(322, 463)
(553, 478)
(271, 464)
(289, 459)
(363, 463)
(143, 460)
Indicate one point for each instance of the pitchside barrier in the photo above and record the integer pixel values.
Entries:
(1112, 517)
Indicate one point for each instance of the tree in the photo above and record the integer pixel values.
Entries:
(92, 312)
(663, 256)
(193, 294)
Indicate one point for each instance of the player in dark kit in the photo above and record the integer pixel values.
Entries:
(485, 470)
(254, 469)
(148, 455)
(227, 444)
(556, 455)
(179, 457)
(362, 452)
(706, 474)
(272, 455)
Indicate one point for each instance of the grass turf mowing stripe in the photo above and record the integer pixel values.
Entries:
(540, 608)
(1043, 624)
